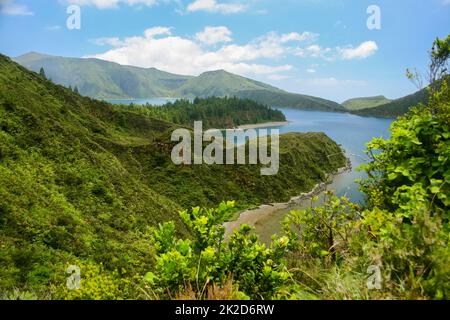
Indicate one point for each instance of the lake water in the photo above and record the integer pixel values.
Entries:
(351, 131)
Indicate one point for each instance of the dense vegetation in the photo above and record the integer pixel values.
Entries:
(221, 113)
(396, 107)
(396, 247)
(106, 80)
(365, 103)
(82, 182)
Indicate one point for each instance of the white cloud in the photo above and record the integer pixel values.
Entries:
(214, 6)
(188, 56)
(214, 35)
(107, 41)
(294, 36)
(157, 31)
(158, 47)
(364, 50)
(314, 51)
(9, 7)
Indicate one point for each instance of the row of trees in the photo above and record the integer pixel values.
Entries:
(222, 113)
(43, 74)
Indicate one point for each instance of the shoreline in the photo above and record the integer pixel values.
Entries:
(263, 125)
(255, 217)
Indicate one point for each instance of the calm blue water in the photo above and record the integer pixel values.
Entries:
(351, 131)
(152, 101)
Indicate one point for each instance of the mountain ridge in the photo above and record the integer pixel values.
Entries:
(397, 107)
(365, 102)
(109, 80)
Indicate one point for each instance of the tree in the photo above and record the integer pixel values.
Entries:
(42, 72)
(75, 89)
(437, 71)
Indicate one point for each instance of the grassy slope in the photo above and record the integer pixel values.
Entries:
(82, 179)
(222, 83)
(102, 79)
(291, 100)
(396, 107)
(365, 103)
(106, 80)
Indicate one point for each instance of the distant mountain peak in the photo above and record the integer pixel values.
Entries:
(215, 72)
(108, 80)
(33, 55)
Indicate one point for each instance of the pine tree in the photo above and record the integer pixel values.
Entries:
(42, 72)
(75, 89)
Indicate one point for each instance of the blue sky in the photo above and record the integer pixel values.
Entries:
(317, 47)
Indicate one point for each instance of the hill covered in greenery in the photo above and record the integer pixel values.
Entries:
(101, 79)
(365, 102)
(82, 182)
(395, 246)
(396, 107)
(107, 80)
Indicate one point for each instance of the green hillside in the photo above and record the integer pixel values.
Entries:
(396, 107)
(290, 100)
(106, 80)
(365, 103)
(219, 83)
(82, 181)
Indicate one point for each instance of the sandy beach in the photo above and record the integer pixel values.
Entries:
(263, 125)
(266, 219)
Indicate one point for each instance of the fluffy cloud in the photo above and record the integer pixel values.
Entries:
(112, 41)
(364, 50)
(158, 48)
(214, 35)
(214, 6)
(9, 7)
(294, 36)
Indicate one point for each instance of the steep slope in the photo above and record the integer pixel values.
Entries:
(222, 83)
(102, 79)
(365, 102)
(105, 80)
(396, 107)
(290, 100)
(82, 181)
